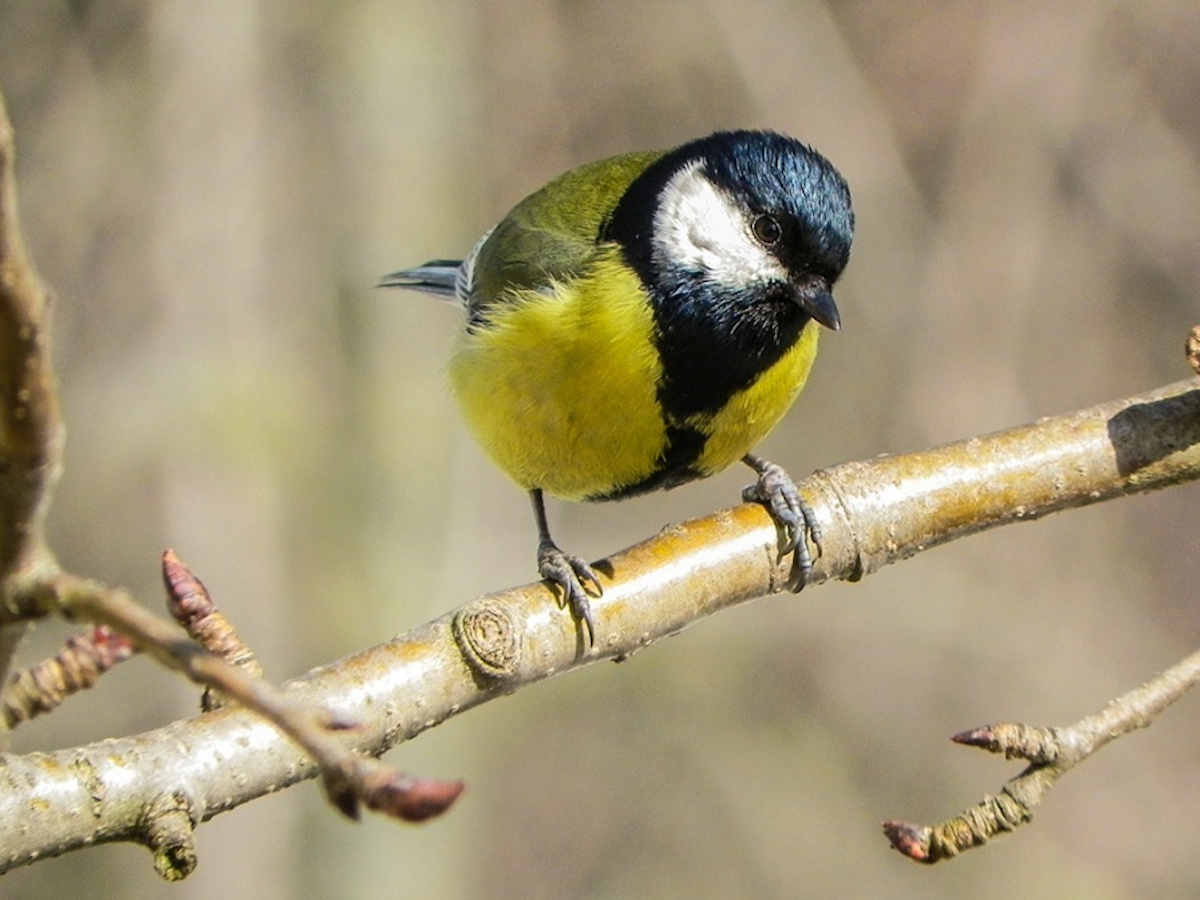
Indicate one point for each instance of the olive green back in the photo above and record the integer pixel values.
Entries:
(552, 234)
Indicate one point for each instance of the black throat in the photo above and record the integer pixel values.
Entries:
(715, 340)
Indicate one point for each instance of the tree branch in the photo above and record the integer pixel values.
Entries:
(887, 509)
(872, 513)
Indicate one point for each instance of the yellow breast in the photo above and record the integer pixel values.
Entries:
(751, 414)
(560, 389)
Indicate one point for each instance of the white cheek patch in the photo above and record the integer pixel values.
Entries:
(698, 227)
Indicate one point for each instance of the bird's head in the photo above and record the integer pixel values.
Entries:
(749, 223)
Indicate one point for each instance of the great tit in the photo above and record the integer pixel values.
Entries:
(645, 320)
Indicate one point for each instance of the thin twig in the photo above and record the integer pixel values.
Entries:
(1052, 753)
(349, 778)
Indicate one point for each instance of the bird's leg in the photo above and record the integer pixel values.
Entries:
(567, 571)
(791, 512)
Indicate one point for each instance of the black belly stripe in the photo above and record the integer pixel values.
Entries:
(716, 341)
(712, 344)
(674, 467)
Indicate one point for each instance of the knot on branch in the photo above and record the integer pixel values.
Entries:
(167, 829)
(487, 636)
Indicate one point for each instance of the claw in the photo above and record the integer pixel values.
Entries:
(570, 573)
(791, 512)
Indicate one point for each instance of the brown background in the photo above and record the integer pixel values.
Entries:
(213, 188)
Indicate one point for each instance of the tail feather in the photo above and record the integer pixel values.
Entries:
(438, 276)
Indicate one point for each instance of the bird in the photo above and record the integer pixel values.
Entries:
(644, 321)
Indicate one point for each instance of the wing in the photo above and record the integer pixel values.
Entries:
(552, 235)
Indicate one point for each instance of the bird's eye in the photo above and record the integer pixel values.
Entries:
(767, 229)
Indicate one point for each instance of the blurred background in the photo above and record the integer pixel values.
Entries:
(212, 189)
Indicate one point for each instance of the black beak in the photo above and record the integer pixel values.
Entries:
(816, 300)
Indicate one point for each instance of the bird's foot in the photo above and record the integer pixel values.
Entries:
(570, 573)
(791, 512)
